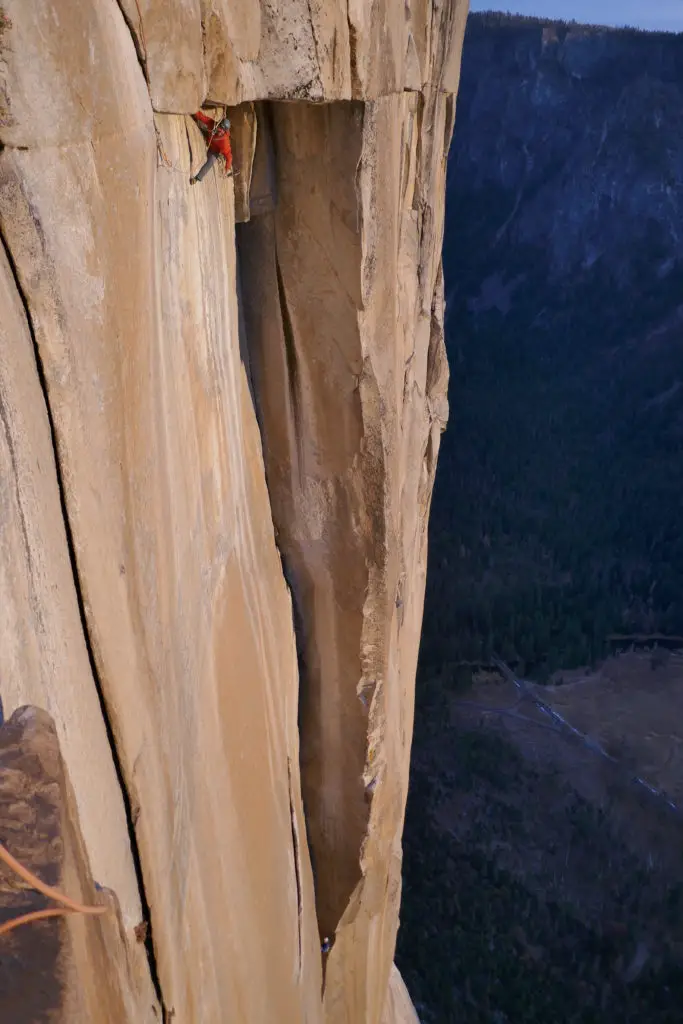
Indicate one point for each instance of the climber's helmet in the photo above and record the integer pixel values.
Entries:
(225, 123)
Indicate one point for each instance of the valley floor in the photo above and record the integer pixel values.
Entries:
(542, 881)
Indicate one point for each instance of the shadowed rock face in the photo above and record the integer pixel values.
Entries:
(148, 608)
(30, 819)
(67, 968)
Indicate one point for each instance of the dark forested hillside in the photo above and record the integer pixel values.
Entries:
(557, 513)
(538, 886)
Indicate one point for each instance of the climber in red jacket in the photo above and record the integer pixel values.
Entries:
(217, 135)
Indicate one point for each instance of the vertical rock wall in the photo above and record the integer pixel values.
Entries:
(343, 295)
(144, 601)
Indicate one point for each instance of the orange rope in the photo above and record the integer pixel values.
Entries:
(142, 30)
(68, 906)
(35, 915)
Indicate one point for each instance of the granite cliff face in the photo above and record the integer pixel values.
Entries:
(218, 446)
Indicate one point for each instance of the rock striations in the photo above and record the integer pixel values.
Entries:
(218, 445)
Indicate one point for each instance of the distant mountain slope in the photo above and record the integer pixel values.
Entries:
(557, 513)
(556, 521)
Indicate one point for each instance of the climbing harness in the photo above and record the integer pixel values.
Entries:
(164, 160)
(68, 906)
(216, 124)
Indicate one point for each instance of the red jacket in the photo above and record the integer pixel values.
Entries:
(218, 139)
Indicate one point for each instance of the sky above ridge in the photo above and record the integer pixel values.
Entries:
(662, 15)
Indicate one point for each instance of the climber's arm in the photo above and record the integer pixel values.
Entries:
(204, 119)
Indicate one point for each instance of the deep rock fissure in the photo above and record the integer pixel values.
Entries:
(297, 617)
(139, 45)
(290, 351)
(297, 866)
(334, 884)
(127, 803)
(316, 47)
(353, 51)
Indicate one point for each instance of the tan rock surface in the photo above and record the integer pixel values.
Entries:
(148, 341)
(43, 655)
(230, 51)
(130, 284)
(398, 1008)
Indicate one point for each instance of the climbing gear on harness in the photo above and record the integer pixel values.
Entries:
(217, 135)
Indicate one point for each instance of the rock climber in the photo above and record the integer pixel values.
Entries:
(217, 135)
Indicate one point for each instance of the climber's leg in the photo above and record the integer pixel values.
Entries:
(203, 171)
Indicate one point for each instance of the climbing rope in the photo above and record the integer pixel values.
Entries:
(143, 42)
(163, 156)
(170, 166)
(216, 124)
(162, 152)
(142, 30)
(68, 906)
